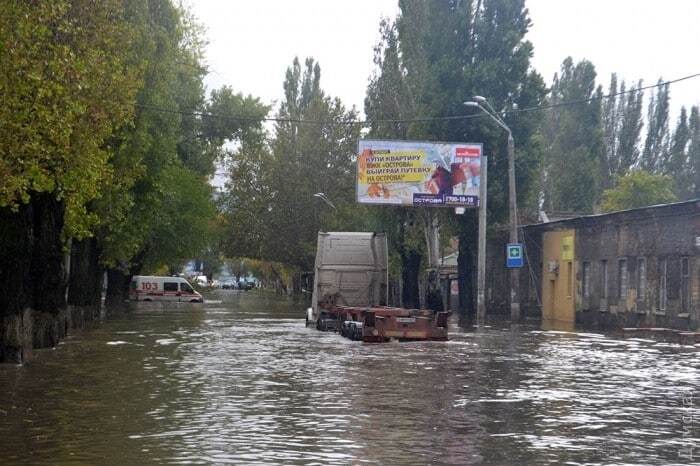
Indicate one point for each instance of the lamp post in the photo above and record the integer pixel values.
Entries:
(483, 104)
(325, 199)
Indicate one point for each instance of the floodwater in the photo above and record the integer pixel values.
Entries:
(240, 380)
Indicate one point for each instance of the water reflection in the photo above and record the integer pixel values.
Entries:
(240, 380)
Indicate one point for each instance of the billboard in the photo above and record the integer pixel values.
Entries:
(415, 173)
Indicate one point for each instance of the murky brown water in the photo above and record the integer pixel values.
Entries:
(243, 381)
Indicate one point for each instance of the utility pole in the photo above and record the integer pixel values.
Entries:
(512, 200)
(481, 260)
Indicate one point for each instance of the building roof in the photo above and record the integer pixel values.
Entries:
(647, 211)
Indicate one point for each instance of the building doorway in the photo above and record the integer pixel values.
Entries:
(559, 272)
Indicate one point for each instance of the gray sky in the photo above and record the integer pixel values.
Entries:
(252, 42)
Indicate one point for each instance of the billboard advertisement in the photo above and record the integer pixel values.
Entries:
(415, 173)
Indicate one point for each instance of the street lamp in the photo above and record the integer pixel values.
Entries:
(323, 197)
(483, 104)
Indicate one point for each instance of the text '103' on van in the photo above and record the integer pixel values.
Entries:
(170, 289)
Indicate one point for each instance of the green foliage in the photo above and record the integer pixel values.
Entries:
(656, 144)
(271, 209)
(573, 137)
(67, 82)
(185, 216)
(639, 189)
(622, 126)
(629, 131)
(144, 153)
(678, 166)
(160, 210)
(432, 59)
(694, 149)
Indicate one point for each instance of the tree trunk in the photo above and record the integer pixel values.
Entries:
(85, 276)
(16, 239)
(296, 283)
(410, 272)
(48, 274)
(117, 287)
(32, 277)
(47, 271)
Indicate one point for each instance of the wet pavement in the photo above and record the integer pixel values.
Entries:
(240, 380)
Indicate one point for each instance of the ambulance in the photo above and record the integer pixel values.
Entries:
(169, 289)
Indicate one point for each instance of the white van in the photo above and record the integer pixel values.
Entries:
(171, 289)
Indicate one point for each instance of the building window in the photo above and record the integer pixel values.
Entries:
(685, 284)
(622, 278)
(641, 279)
(604, 279)
(569, 278)
(586, 272)
(663, 288)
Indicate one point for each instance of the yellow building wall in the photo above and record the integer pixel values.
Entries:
(558, 276)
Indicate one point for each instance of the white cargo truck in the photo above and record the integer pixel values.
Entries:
(350, 270)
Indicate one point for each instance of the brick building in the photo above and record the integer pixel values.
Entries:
(633, 268)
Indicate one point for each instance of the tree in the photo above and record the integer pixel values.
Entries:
(622, 125)
(630, 128)
(574, 140)
(436, 56)
(167, 206)
(67, 84)
(164, 138)
(639, 189)
(655, 154)
(611, 126)
(272, 213)
(678, 166)
(694, 148)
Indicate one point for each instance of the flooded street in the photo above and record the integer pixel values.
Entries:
(240, 380)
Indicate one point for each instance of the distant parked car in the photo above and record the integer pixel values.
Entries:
(228, 285)
(201, 280)
(245, 285)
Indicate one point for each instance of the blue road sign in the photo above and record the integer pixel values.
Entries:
(514, 255)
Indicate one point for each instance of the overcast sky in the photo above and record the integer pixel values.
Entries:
(252, 42)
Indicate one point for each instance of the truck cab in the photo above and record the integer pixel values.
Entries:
(350, 270)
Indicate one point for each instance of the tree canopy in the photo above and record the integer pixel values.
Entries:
(639, 189)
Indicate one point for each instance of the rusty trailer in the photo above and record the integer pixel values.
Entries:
(350, 293)
(382, 323)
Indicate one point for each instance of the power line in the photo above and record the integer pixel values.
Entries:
(607, 96)
(367, 122)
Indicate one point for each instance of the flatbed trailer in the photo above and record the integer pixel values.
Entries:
(350, 293)
(382, 323)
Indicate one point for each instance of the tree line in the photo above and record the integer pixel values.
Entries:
(618, 151)
(586, 151)
(104, 155)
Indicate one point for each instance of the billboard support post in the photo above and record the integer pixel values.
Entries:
(481, 272)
